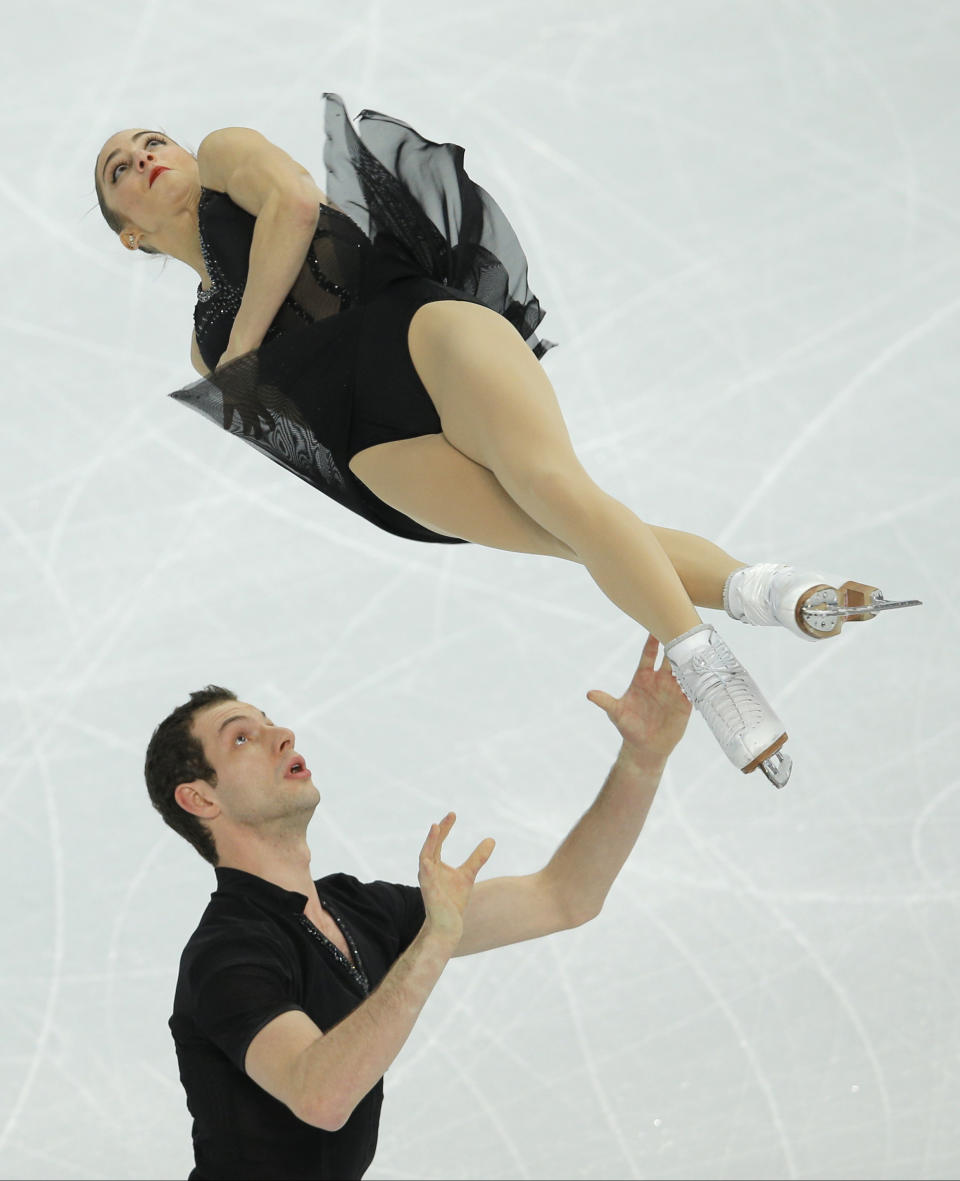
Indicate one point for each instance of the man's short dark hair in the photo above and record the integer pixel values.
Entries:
(174, 756)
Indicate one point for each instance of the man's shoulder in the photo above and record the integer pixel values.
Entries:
(231, 924)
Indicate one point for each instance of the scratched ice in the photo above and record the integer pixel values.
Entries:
(743, 221)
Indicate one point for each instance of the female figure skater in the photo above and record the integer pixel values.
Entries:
(379, 342)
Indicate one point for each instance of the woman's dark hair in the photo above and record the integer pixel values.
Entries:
(174, 756)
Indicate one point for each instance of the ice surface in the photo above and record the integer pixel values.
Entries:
(743, 219)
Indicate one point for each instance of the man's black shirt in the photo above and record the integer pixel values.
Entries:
(254, 956)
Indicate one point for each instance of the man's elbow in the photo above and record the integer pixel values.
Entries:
(320, 1112)
(569, 907)
(583, 914)
(574, 912)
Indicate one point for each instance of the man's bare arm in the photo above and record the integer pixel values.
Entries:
(322, 1075)
(651, 717)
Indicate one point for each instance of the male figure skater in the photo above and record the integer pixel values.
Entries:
(295, 995)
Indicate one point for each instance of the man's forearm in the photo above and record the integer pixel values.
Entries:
(340, 1067)
(584, 867)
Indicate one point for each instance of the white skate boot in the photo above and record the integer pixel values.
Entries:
(733, 707)
(801, 602)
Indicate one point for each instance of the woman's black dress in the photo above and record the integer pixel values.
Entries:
(406, 226)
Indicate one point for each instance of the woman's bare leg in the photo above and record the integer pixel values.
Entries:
(428, 479)
(498, 408)
(702, 566)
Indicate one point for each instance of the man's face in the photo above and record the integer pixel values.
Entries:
(260, 777)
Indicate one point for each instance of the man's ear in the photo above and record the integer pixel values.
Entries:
(197, 799)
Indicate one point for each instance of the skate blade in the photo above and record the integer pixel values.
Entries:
(859, 602)
(825, 610)
(777, 768)
(768, 757)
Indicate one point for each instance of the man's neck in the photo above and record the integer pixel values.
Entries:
(286, 865)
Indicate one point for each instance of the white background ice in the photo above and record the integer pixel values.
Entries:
(743, 219)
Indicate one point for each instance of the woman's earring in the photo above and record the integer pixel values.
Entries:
(130, 238)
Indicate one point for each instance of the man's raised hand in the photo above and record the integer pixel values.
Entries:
(652, 714)
(446, 890)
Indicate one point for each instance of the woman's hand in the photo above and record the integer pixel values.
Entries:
(446, 891)
(236, 347)
(653, 713)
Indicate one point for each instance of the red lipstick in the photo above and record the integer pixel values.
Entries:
(156, 172)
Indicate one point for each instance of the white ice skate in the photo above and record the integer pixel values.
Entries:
(733, 707)
(768, 594)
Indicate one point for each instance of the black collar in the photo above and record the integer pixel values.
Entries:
(237, 883)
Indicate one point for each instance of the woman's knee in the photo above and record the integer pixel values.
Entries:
(562, 489)
(433, 483)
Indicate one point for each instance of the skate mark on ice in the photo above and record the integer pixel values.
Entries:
(57, 949)
(765, 902)
(820, 420)
(922, 819)
(596, 1084)
(743, 1041)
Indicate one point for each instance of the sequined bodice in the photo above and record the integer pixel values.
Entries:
(330, 281)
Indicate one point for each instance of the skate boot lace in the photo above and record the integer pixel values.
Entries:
(718, 685)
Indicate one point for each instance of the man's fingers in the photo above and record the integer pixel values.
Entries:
(604, 700)
(649, 654)
(479, 857)
(437, 835)
(433, 846)
(429, 845)
(443, 829)
(648, 658)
